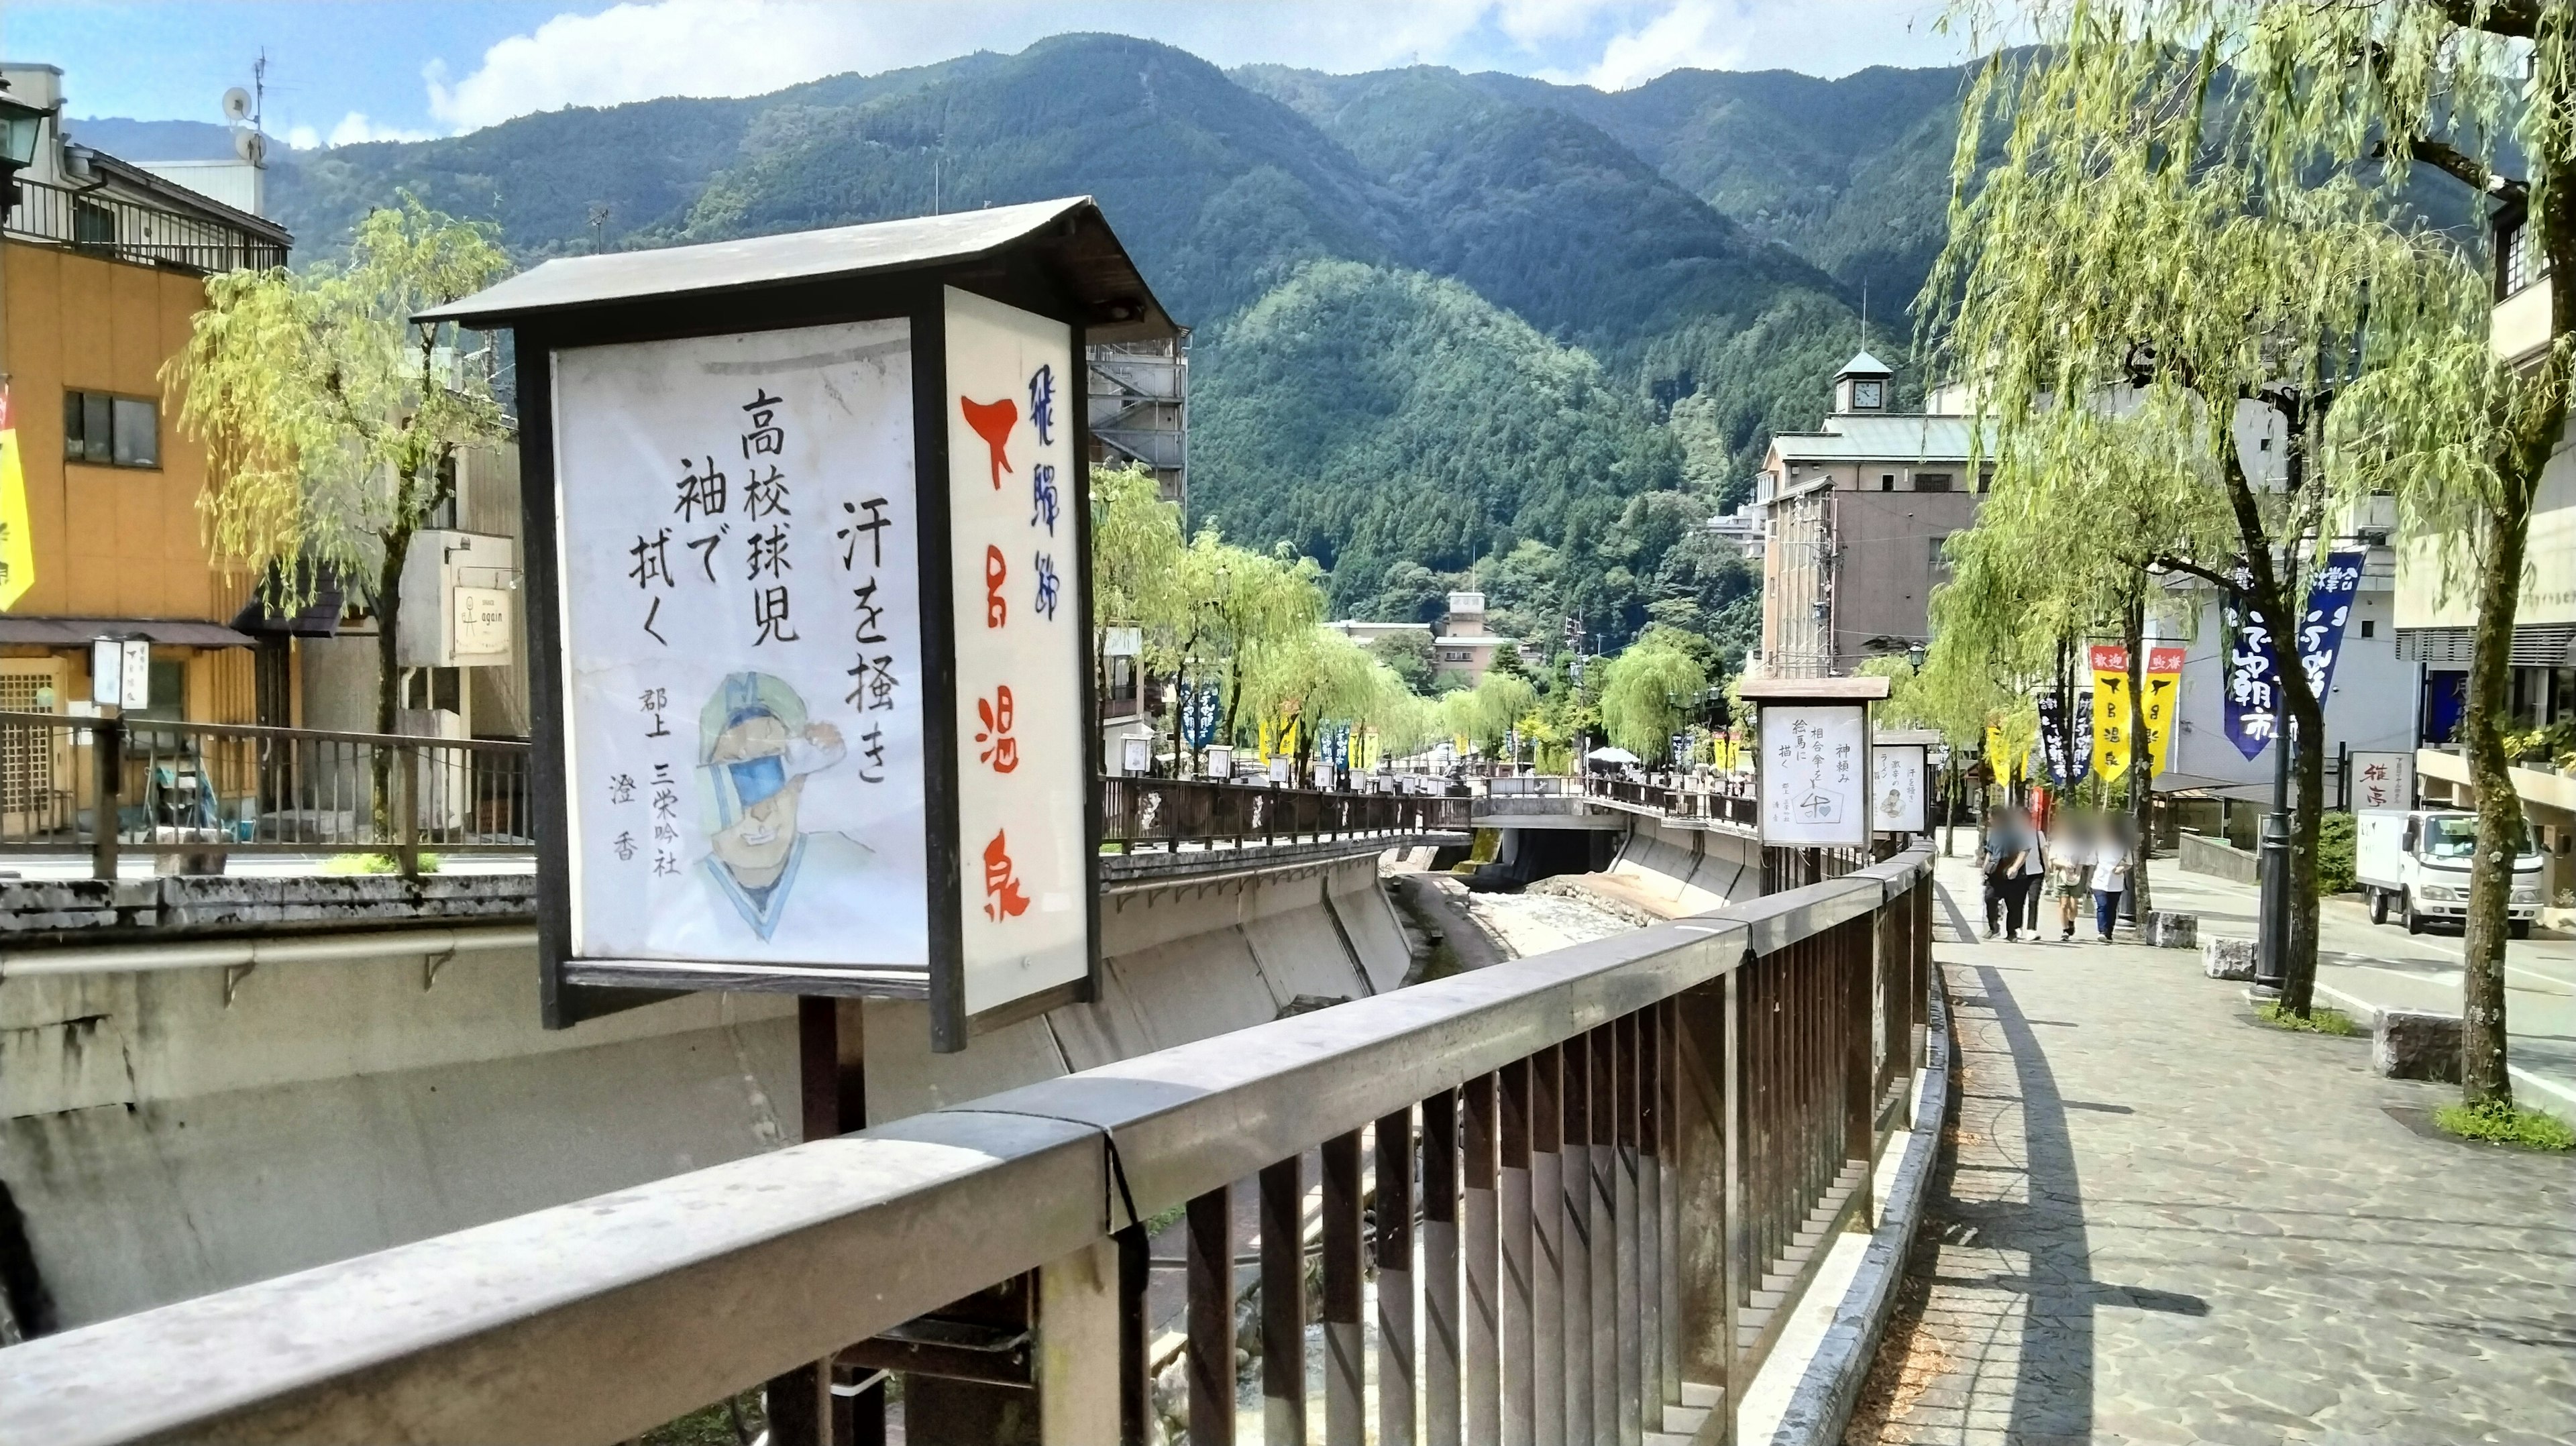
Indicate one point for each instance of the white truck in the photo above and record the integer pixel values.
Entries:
(2414, 865)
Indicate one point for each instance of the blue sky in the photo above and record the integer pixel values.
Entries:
(342, 72)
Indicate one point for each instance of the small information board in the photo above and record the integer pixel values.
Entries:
(1900, 783)
(1812, 773)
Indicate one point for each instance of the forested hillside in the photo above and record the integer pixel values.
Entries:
(1448, 328)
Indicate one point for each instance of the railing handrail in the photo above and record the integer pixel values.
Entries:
(135, 724)
(593, 1320)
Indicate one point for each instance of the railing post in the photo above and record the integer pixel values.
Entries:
(1650, 1219)
(1482, 1409)
(1576, 1202)
(1513, 1212)
(1283, 1302)
(1444, 1331)
(1629, 1319)
(1547, 1255)
(1395, 1353)
(407, 809)
(1345, 1377)
(1668, 1249)
(1210, 1352)
(107, 771)
(1080, 1372)
(1603, 1047)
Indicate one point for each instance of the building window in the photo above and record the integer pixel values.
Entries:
(1453, 655)
(2369, 628)
(2518, 261)
(1931, 481)
(1886, 481)
(1985, 479)
(106, 431)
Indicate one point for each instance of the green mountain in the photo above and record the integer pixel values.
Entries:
(1447, 327)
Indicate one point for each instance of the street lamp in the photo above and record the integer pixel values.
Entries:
(20, 127)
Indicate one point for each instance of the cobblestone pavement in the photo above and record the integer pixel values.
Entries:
(2159, 1221)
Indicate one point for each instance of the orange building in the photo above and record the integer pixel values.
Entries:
(101, 270)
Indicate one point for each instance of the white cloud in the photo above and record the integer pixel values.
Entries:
(303, 138)
(645, 48)
(355, 129)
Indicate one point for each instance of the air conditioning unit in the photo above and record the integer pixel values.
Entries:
(460, 594)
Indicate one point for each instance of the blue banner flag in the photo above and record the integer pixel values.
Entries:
(2252, 706)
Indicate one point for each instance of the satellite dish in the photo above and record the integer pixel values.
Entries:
(237, 104)
(251, 146)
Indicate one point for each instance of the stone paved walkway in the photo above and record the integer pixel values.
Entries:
(2158, 1221)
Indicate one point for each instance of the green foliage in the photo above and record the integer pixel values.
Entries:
(2335, 840)
(1649, 690)
(345, 864)
(2507, 1124)
(1368, 416)
(1409, 656)
(2319, 1020)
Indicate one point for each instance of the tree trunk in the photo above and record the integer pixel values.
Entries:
(388, 605)
(2482, 1009)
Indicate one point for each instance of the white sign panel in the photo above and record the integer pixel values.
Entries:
(741, 645)
(1814, 771)
(1017, 576)
(481, 631)
(1897, 787)
(2383, 780)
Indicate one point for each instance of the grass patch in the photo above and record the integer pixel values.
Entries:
(2320, 1020)
(373, 864)
(722, 1424)
(2507, 1125)
(1161, 1221)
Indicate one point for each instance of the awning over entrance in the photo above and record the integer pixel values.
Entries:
(81, 632)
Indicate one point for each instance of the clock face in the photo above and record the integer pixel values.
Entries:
(1865, 394)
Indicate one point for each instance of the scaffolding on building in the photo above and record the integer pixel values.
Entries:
(1139, 404)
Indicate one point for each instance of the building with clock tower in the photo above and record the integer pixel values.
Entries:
(1852, 518)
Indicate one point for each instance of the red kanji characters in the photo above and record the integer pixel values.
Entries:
(996, 572)
(993, 422)
(1002, 896)
(1000, 749)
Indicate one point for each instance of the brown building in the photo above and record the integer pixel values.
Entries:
(101, 269)
(1852, 520)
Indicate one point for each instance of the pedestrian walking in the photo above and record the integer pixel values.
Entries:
(2111, 856)
(2069, 860)
(2033, 877)
(2001, 855)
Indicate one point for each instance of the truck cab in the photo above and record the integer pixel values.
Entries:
(2414, 864)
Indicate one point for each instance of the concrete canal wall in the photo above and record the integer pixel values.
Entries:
(170, 1131)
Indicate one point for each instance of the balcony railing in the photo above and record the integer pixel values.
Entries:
(106, 786)
(1174, 814)
(1613, 1170)
(97, 224)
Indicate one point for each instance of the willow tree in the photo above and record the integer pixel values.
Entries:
(2127, 244)
(331, 422)
(1648, 691)
(2068, 546)
(2431, 89)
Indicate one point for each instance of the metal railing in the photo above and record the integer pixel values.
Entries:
(1678, 799)
(1614, 1169)
(1178, 813)
(198, 790)
(103, 225)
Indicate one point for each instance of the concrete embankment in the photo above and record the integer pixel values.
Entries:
(166, 1132)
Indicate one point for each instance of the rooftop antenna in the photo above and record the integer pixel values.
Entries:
(249, 107)
(1864, 314)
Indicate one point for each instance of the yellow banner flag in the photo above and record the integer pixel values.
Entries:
(2163, 701)
(17, 538)
(2110, 712)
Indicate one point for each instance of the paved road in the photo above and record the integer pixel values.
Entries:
(2158, 1221)
(2364, 964)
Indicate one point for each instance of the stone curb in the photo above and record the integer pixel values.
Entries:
(1821, 1405)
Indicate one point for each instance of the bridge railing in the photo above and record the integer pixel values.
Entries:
(1612, 1169)
(105, 786)
(1138, 813)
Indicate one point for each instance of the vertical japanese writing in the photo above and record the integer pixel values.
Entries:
(1042, 404)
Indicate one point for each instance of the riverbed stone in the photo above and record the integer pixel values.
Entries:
(2409, 1045)
(2222, 957)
